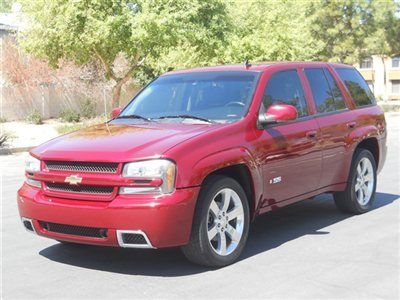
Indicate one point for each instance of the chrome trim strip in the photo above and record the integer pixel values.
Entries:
(123, 245)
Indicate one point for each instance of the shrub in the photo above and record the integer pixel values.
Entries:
(35, 117)
(70, 115)
(3, 120)
(67, 128)
(88, 109)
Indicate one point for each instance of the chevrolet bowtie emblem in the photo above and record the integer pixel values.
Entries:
(73, 179)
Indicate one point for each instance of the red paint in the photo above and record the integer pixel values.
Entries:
(312, 155)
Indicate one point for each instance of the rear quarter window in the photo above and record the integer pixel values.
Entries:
(326, 94)
(357, 87)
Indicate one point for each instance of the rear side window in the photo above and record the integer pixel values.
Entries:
(357, 86)
(285, 88)
(337, 94)
(326, 93)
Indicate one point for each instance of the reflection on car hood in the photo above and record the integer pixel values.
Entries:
(119, 142)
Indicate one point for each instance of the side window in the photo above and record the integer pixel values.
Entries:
(326, 92)
(337, 94)
(285, 88)
(322, 93)
(357, 86)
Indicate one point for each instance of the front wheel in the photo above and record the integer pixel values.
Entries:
(220, 225)
(360, 192)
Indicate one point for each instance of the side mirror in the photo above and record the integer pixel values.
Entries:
(115, 112)
(277, 114)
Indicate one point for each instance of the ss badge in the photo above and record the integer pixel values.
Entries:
(275, 180)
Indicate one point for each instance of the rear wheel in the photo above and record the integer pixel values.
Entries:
(360, 192)
(221, 223)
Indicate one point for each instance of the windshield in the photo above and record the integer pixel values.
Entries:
(214, 96)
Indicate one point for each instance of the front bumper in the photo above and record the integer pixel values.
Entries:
(165, 220)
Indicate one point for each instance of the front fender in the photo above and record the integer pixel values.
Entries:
(222, 159)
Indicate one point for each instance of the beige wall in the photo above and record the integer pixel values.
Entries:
(19, 101)
(380, 76)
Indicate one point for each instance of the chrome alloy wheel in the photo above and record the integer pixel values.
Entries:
(225, 222)
(364, 181)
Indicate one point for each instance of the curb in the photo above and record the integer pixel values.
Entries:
(7, 151)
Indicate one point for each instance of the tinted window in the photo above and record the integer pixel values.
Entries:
(322, 93)
(337, 94)
(285, 88)
(218, 96)
(357, 86)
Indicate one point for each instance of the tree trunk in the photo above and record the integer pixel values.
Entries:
(116, 94)
(385, 93)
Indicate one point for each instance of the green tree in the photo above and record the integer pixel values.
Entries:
(5, 6)
(342, 27)
(270, 30)
(384, 41)
(152, 35)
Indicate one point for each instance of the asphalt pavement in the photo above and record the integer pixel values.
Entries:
(306, 250)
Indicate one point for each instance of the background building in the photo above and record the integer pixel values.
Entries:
(382, 75)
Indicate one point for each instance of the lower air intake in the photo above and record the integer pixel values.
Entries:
(74, 230)
(133, 239)
(28, 224)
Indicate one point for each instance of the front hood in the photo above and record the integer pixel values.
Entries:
(119, 142)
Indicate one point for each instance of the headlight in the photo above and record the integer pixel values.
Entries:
(150, 169)
(32, 164)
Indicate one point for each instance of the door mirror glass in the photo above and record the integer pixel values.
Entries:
(115, 112)
(277, 114)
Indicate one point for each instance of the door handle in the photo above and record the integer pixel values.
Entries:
(351, 125)
(311, 134)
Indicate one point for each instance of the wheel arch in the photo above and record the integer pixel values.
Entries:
(371, 144)
(240, 173)
(234, 163)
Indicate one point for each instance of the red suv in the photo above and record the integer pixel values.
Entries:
(199, 153)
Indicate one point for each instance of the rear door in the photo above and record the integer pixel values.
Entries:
(335, 122)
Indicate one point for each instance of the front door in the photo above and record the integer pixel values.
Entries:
(290, 152)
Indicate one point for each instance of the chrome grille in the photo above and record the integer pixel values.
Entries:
(95, 167)
(87, 189)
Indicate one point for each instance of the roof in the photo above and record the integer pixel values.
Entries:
(258, 67)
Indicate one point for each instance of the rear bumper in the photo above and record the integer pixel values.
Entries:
(165, 220)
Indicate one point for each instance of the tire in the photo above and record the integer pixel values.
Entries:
(350, 200)
(206, 222)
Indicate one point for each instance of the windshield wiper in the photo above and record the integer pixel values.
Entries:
(134, 117)
(186, 117)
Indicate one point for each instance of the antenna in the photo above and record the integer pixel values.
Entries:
(247, 64)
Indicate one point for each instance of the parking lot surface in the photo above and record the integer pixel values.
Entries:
(306, 250)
